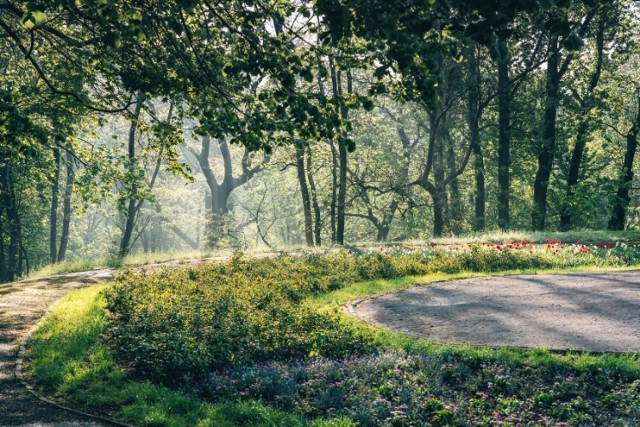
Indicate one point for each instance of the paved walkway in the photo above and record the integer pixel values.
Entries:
(578, 311)
(22, 304)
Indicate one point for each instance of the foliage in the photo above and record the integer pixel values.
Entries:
(90, 376)
(395, 388)
(397, 382)
(176, 326)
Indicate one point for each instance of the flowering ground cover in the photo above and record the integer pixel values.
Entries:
(265, 341)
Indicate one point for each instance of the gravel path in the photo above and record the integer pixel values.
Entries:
(578, 311)
(22, 304)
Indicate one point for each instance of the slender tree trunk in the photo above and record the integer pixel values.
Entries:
(574, 173)
(473, 120)
(53, 212)
(3, 263)
(545, 158)
(304, 191)
(317, 223)
(441, 192)
(66, 207)
(504, 143)
(583, 128)
(334, 191)
(455, 204)
(336, 77)
(130, 216)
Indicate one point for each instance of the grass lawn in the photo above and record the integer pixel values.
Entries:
(307, 375)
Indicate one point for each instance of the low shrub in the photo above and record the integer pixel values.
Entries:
(395, 388)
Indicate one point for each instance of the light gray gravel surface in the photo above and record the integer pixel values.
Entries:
(577, 311)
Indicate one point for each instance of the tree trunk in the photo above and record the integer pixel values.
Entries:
(455, 204)
(438, 213)
(66, 207)
(583, 128)
(3, 263)
(334, 190)
(504, 143)
(304, 191)
(473, 120)
(547, 150)
(53, 213)
(336, 77)
(8, 200)
(130, 216)
(317, 223)
(618, 215)
(574, 173)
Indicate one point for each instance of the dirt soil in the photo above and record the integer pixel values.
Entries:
(577, 311)
(22, 304)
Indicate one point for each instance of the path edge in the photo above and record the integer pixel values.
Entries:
(19, 372)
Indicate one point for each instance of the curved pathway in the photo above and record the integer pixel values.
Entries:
(575, 311)
(22, 304)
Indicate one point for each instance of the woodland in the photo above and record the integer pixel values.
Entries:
(142, 126)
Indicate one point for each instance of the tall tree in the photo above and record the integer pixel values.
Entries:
(621, 201)
(556, 69)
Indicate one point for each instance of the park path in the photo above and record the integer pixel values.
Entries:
(574, 311)
(22, 304)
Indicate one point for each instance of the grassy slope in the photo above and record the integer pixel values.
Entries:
(590, 236)
(66, 356)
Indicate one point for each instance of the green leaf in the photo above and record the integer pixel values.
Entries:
(33, 19)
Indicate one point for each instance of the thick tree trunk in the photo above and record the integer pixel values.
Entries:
(66, 207)
(438, 213)
(53, 212)
(7, 198)
(618, 215)
(342, 193)
(504, 143)
(304, 191)
(220, 192)
(547, 150)
(621, 203)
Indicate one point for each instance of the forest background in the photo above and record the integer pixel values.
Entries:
(153, 126)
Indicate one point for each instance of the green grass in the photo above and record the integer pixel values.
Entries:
(133, 260)
(378, 287)
(69, 359)
(586, 236)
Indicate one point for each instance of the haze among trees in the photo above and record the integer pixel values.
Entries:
(131, 126)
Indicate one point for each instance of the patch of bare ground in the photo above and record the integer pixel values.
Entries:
(597, 312)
